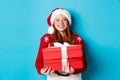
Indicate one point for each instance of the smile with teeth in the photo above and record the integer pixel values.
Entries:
(61, 26)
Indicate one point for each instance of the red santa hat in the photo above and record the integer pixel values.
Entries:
(52, 16)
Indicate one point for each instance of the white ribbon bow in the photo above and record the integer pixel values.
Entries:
(57, 44)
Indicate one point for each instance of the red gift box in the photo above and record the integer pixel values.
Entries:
(56, 57)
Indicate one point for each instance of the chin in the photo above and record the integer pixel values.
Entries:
(61, 30)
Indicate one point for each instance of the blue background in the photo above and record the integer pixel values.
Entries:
(23, 22)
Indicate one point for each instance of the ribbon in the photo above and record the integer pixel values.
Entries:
(57, 44)
(63, 51)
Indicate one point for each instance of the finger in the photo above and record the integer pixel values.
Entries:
(51, 71)
(66, 68)
(48, 71)
(63, 67)
(41, 71)
(68, 64)
(45, 69)
(72, 70)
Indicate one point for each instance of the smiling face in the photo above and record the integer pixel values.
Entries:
(61, 23)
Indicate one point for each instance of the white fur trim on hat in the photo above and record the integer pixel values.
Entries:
(60, 11)
(50, 30)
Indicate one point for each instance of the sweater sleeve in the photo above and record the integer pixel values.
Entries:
(44, 41)
(79, 41)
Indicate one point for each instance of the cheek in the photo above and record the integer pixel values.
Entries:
(55, 23)
(66, 24)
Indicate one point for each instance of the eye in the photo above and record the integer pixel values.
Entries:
(65, 19)
(57, 20)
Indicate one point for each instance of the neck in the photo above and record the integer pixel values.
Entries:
(62, 33)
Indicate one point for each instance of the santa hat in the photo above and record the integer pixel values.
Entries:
(52, 16)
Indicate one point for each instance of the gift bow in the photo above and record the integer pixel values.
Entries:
(57, 44)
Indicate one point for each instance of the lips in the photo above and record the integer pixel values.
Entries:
(61, 26)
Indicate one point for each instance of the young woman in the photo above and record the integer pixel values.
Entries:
(59, 31)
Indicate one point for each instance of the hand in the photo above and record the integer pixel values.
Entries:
(46, 70)
(68, 69)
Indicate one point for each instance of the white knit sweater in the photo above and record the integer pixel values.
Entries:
(54, 76)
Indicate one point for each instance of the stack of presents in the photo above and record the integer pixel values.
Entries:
(56, 57)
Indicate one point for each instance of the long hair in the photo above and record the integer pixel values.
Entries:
(68, 37)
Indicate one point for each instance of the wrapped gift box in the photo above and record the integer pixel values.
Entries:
(56, 57)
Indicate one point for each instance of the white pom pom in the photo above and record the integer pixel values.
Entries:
(50, 30)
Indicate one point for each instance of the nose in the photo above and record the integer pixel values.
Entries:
(61, 21)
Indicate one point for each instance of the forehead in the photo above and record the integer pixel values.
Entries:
(60, 16)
